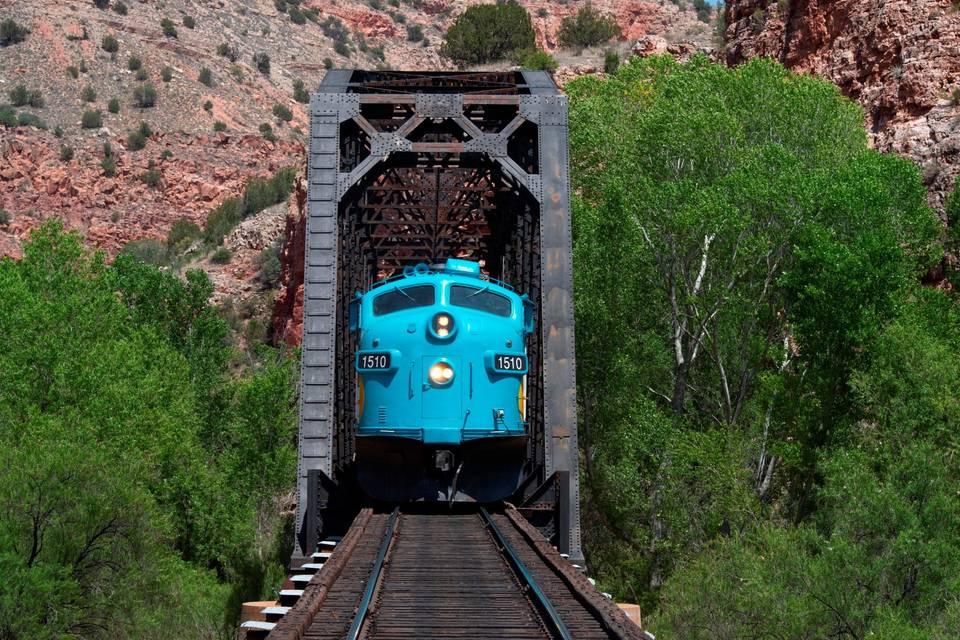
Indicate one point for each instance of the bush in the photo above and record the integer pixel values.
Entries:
(141, 75)
(58, 131)
(399, 18)
(268, 263)
(73, 72)
(145, 96)
(4, 217)
(536, 59)
(236, 71)
(221, 256)
(189, 22)
(488, 32)
(267, 132)
(334, 29)
(166, 74)
(101, 4)
(414, 32)
(208, 106)
(262, 63)
(148, 250)
(109, 166)
(88, 94)
(219, 126)
(328, 63)
(31, 120)
(342, 49)
(20, 96)
(107, 150)
(300, 93)
(588, 27)
(282, 112)
(206, 77)
(109, 44)
(166, 154)
(8, 117)
(12, 33)
(259, 194)
(91, 119)
(134, 63)
(611, 62)
(227, 51)
(151, 178)
(66, 154)
(137, 139)
(120, 7)
(704, 10)
(280, 5)
(83, 66)
(169, 29)
(297, 16)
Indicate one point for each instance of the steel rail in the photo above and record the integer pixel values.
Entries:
(364, 609)
(527, 578)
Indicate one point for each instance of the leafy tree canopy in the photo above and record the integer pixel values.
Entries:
(487, 33)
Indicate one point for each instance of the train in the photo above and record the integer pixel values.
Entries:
(441, 365)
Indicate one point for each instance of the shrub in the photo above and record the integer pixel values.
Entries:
(83, 66)
(342, 49)
(31, 120)
(189, 22)
(955, 97)
(101, 4)
(109, 44)
(11, 32)
(376, 5)
(91, 119)
(148, 250)
(208, 106)
(137, 139)
(282, 112)
(334, 29)
(107, 150)
(328, 63)
(259, 194)
(151, 178)
(115, 217)
(297, 16)
(536, 59)
(703, 10)
(236, 71)
(134, 63)
(4, 217)
(586, 28)
(145, 96)
(20, 96)
(378, 53)
(219, 125)
(611, 62)
(227, 51)
(166, 74)
(169, 30)
(300, 93)
(73, 72)
(280, 5)
(66, 154)
(221, 220)
(268, 262)
(414, 32)
(58, 131)
(88, 94)
(166, 154)
(8, 117)
(120, 7)
(141, 75)
(206, 77)
(267, 132)
(488, 32)
(109, 166)
(542, 12)
(399, 18)
(262, 62)
(113, 106)
(221, 256)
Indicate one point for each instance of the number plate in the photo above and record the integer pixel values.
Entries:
(374, 361)
(509, 362)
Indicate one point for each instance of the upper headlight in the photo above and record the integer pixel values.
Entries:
(442, 325)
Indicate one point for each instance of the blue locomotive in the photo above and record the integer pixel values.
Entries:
(441, 373)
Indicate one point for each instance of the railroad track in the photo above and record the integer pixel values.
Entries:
(466, 574)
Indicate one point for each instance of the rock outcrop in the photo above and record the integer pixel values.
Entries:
(900, 59)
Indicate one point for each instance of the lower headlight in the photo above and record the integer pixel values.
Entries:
(441, 373)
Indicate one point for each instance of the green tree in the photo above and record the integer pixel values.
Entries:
(586, 28)
(488, 32)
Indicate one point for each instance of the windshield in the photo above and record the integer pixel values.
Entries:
(480, 299)
(405, 298)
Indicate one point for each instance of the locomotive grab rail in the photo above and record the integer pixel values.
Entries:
(364, 607)
(525, 576)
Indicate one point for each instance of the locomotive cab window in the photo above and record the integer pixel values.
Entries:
(403, 298)
(480, 299)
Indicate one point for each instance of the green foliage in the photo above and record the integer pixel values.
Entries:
(113, 106)
(262, 63)
(189, 22)
(109, 44)
(182, 234)
(767, 340)
(101, 4)
(228, 51)
(4, 217)
(266, 130)
(488, 32)
(397, 17)
(73, 72)
(151, 178)
(91, 119)
(30, 120)
(88, 94)
(169, 29)
(297, 16)
(207, 106)
(58, 131)
(282, 112)
(145, 96)
(300, 93)
(134, 63)
(586, 28)
(219, 126)
(414, 32)
(611, 62)
(703, 10)
(341, 48)
(11, 32)
(166, 74)
(328, 63)
(259, 194)
(536, 59)
(268, 265)
(137, 139)
(205, 77)
(141, 75)
(120, 7)
(20, 96)
(137, 472)
(109, 166)
(221, 256)
(66, 154)
(8, 116)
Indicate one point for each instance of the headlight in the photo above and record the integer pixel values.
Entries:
(442, 325)
(441, 373)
